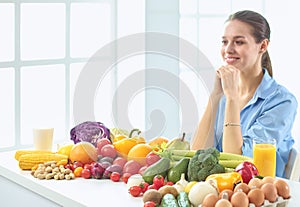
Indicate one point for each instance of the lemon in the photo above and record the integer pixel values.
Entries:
(65, 149)
(189, 186)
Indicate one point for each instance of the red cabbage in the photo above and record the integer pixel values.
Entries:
(89, 131)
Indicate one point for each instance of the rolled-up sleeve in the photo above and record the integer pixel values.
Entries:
(275, 121)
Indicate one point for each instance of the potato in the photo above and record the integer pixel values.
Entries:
(152, 195)
(168, 189)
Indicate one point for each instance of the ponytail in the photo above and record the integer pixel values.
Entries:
(266, 63)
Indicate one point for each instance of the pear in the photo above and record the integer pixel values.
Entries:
(178, 144)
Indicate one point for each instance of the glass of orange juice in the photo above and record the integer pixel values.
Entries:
(264, 156)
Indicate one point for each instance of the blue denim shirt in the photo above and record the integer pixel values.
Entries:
(271, 114)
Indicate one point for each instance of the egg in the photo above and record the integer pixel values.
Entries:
(242, 187)
(283, 189)
(256, 196)
(239, 199)
(268, 179)
(227, 193)
(210, 200)
(223, 203)
(269, 191)
(255, 183)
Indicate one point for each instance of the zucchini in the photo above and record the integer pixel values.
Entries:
(169, 200)
(183, 200)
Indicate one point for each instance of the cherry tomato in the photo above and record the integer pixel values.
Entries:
(77, 171)
(86, 173)
(115, 176)
(152, 187)
(150, 204)
(158, 181)
(125, 177)
(87, 166)
(135, 190)
(144, 186)
(169, 183)
(77, 164)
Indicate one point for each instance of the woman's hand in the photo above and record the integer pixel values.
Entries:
(217, 90)
(229, 76)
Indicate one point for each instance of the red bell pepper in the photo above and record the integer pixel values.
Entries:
(247, 171)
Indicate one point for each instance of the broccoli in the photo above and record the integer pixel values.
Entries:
(217, 169)
(204, 163)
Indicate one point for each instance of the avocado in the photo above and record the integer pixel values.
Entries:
(174, 174)
(161, 167)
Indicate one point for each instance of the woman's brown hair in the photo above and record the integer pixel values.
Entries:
(261, 31)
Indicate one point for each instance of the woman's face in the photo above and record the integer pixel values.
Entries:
(239, 47)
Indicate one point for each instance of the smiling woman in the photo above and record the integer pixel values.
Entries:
(246, 102)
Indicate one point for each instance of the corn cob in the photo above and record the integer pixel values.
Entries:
(28, 161)
(24, 152)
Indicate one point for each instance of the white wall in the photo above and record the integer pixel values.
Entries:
(283, 17)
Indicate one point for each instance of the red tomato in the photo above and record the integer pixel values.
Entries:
(158, 181)
(115, 176)
(150, 204)
(144, 186)
(169, 183)
(135, 190)
(152, 187)
(87, 166)
(125, 177)
(86, 173)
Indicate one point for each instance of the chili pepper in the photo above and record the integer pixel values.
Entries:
(247, 171)
(226, 180)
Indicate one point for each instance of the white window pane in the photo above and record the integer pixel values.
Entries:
(209, 7)
(210, 38)
(188, 30)
(131, 78)
(255, 5)
(42, 100)
(7, 23)
(75, 70)
(42, 31)
(102, 98)
(7, 109)
(90, 28)
(188, 6)
(131, 17)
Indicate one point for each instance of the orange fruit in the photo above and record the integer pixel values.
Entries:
(84, 152)
(139, 153)
(157, 141)
(65, 149)
(123, 146)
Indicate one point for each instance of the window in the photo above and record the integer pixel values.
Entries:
(44, 47)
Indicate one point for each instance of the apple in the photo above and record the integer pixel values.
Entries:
(152, 158)
(102, 142)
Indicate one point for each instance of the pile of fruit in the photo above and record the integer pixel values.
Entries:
(162, 172)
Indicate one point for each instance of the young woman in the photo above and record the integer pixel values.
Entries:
(246, 101)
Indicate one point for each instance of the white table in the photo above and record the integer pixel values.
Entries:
(78, 192)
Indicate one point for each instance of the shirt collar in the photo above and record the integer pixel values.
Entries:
(266, 87)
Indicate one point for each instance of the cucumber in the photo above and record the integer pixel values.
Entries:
(168, 201)
(183, 200)
(161, 167)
